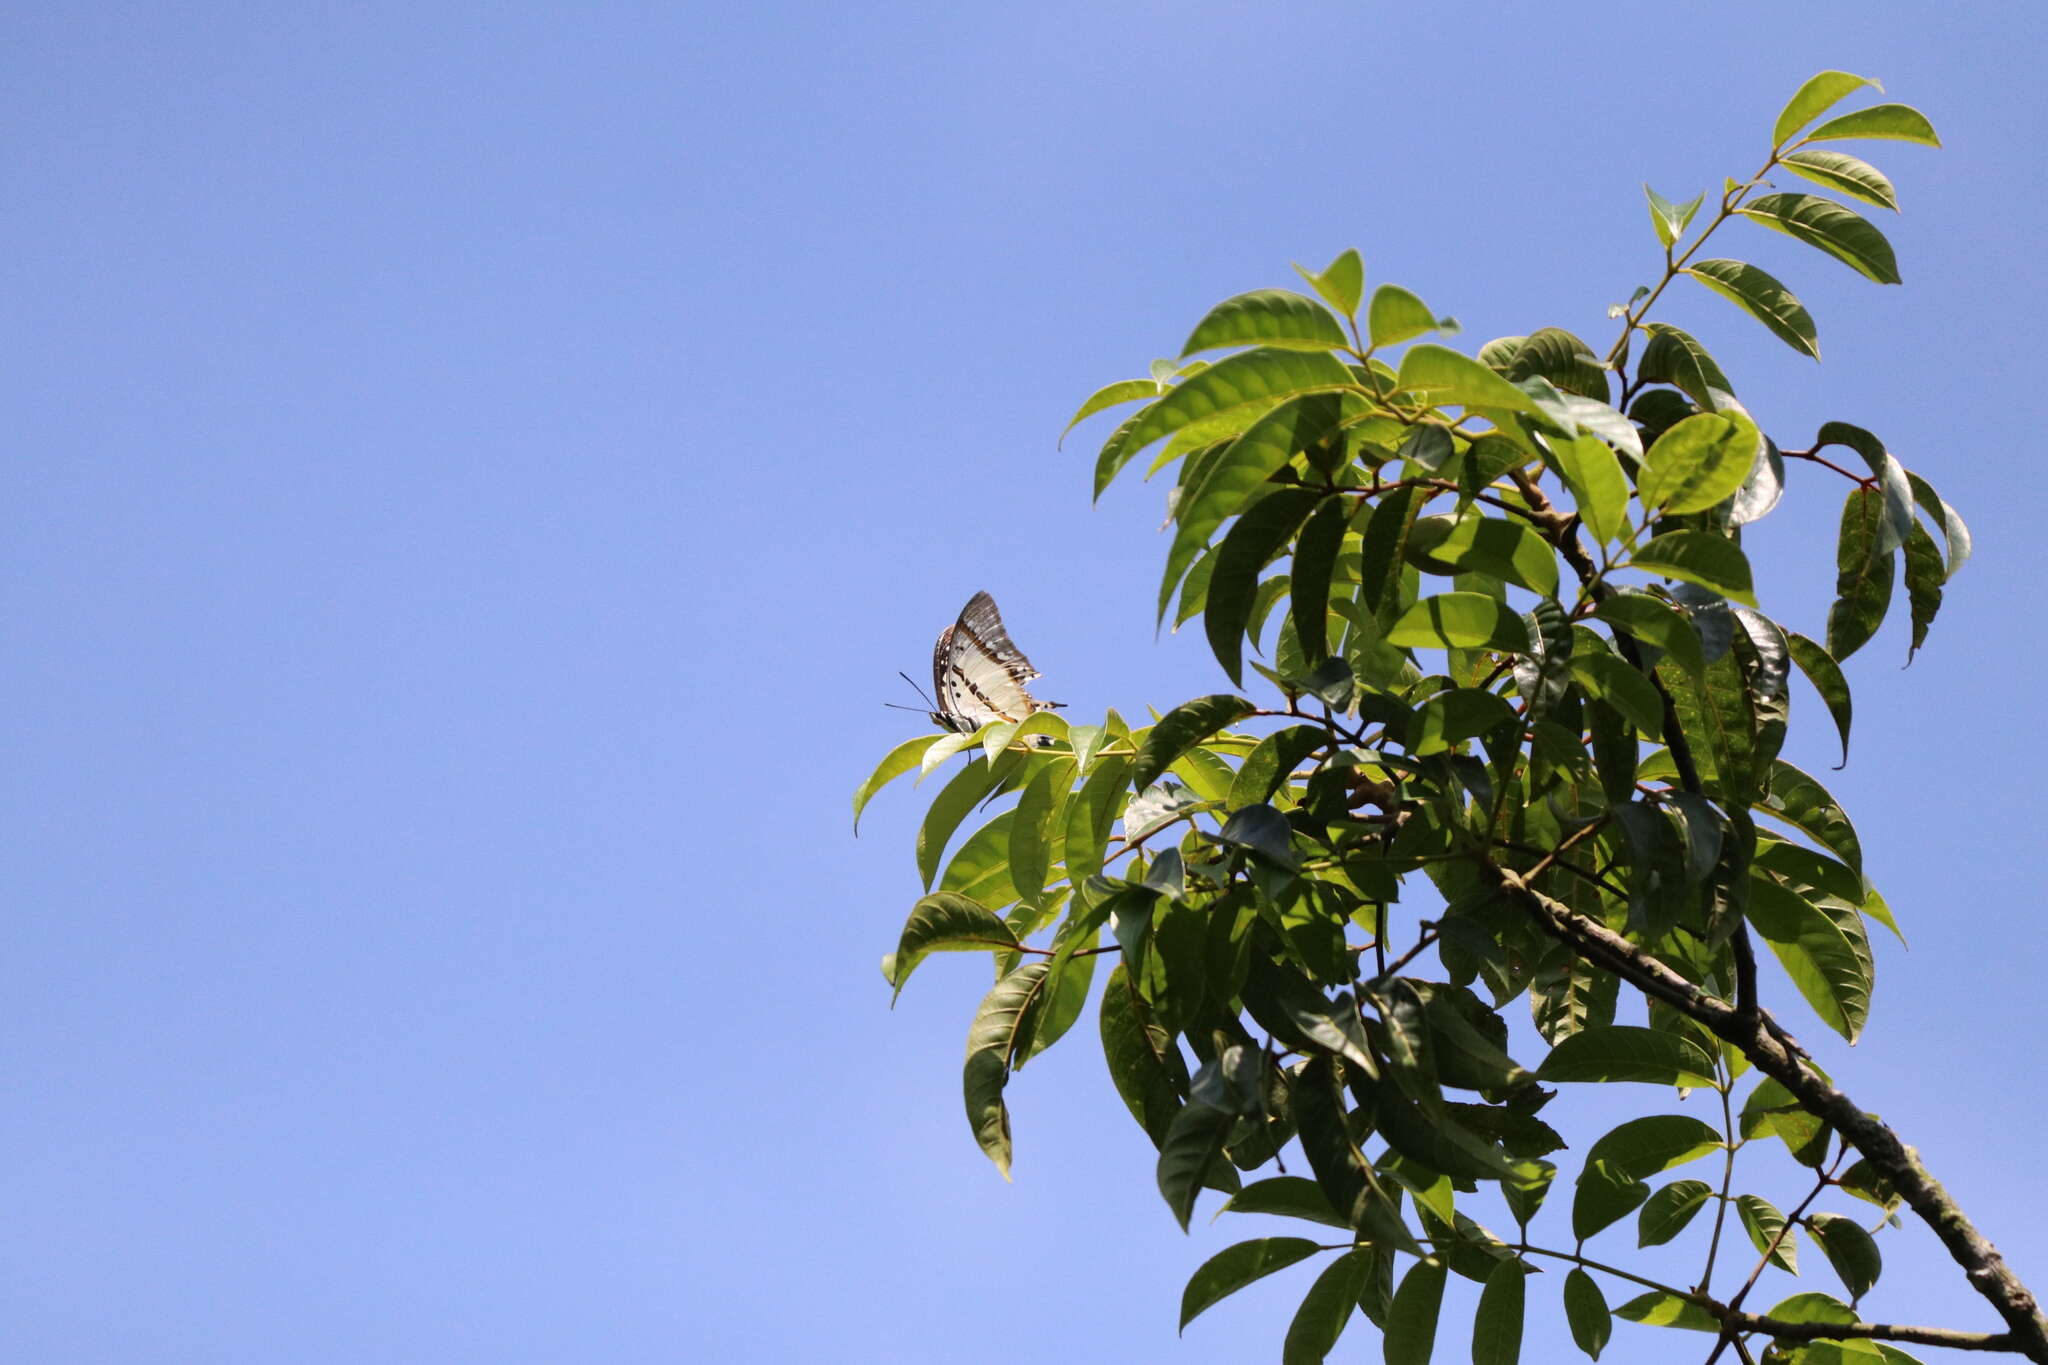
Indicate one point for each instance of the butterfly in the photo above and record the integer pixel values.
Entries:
(978, 673)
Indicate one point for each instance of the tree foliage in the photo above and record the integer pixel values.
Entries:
(1516, 744)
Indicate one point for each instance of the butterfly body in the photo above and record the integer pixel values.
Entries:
(978, 673)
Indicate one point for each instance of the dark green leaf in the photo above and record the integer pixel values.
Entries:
(1385, 547)
(1455, 716)
(1897, 122)
(1315, 560)
(1235, 1267)
(1030, 826)
(1763, 298)
(1764, 1224)
(1674, 357)
(1890, 475)
(1832, 970)
(1845, 174)
(1266, 317)
(1865, 1183)
(944, 923)
(1144, 1064)
(1326, 1309)
(1460, 620)
(1662, 1308)
(1410, 1334)
(1271, 762)
(1259, 535)
(1497, 1326)
(1193, 1142)
(1604, 1195)
(995, 1041)
(1714, 562)
(1585, 1308)
(1247, 383)
(1924, 577)
(1396, 316)
(1625, 1052)
(1657, 623)
(1286, 1196)
(1816, 97)
(1341, 283)
(1825, 674)
(1181, 729)
(1669, 1210)
(1953, 531)
(1804, 804)
(1441, 1144)
(1771, 1111)
(1263, 830)
(1850, 1250)
(1622, 687)
(1843, 233)
(1571, 995)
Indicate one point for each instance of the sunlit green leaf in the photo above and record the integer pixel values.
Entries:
(1662, 1308)
(1816, 97)
(1625, 1052)
(996, 1040)
(968, 788)
(897, 762)
(1844, 174)
(1668, 1211)
(1460, 620)
(1953, 531)
(1656, 623)
(1671, 219)
(1767, 1233)
(1598, 485)
(1030, 826)
(1110, 395)
(1830, 969)
(944, 922)
(1676, 358)
(1712, 561)
(1266, 317)
(1444, 376)
(1396, 316)
(1341, 283)
(1504, 547)
(1898, 122)
(1697, 463)
(1843, 233)
(1763, 298)
(1181, 729)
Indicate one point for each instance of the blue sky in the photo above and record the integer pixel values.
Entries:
(478, 470)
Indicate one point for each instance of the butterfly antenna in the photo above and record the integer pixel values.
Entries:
(929, 704)
(894, 707)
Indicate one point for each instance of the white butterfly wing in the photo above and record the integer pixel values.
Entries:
(978, 673)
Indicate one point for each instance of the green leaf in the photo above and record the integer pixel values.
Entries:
(1410, 1333)
(1771, 1111)
(1497, 1326)
(1090, 814)
(1266, 317)
(1896, 122)
(1669, 1210)
(1030, 826)
(1110, 395)
(1503, 547)
(1460, 620)
(1386, 537)
(1825, 674)
(1193, 1142)
(1816, 97)
(1832, 970)
(1270, 764)
(1144, 1064)
(1315, 561)
(1585, 1308)
(1286, 1196)
(1264, 831)
(1181, 729)
(1671, 219)
(968, 788)
(1249, 381)
(899, 761)
(1844, 174)
(1570, 996)
(1674, 357)
(1953, 531)
(1236, 475)
(1235, 1267)
(1442, 375)
(1662, 1308)
(1598, 486)
(1642, 1147)
(1656, 623)
(1804, 804)
(997, 1038)
(1698, 463)
(1766, 300)
(1762, 1221)
(944, 923)
(1843, 233)
(1712, 561)
(1341, 283)
(1624, 1052)
(1850, 1250)
(1864, 574)
(1924, 577)
(1258, 536)
(1327, 1308)
(1890, 475)
(1622, 687)
(1397, 315)
(1455, 716)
